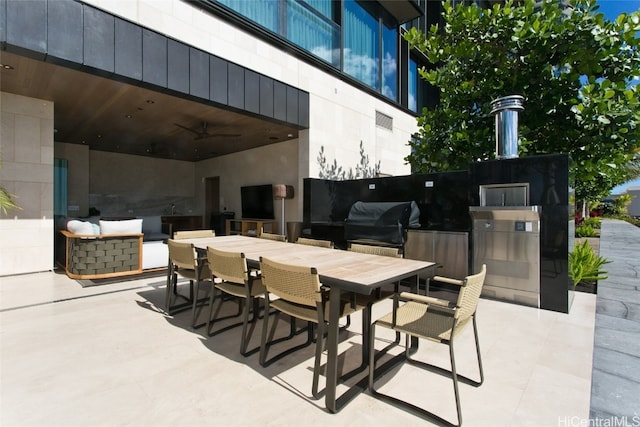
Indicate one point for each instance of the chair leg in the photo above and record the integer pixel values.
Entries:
(167, 296)
(196, 301)
(244, 340)
(475, 334)
(454, 377)
(266, 342)
(316, 365)
(214, 312)
(400, 403)
(194, 298)
(265, 327)
(211, 319)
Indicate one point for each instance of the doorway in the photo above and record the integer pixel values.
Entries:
(212, 199)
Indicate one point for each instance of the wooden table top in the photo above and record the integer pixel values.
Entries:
(351, 271)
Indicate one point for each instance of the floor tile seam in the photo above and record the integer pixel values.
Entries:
(68, 299)
(614, 349)
(611, 316)
(616, 376)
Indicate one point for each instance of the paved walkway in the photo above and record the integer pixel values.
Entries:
(615, 384)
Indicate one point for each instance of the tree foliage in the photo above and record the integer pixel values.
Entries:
(574, 68)
(335, 172)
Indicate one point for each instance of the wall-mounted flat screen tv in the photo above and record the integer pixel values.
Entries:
(257, 202)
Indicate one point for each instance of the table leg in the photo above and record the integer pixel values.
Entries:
(414, 340)
(332, 349)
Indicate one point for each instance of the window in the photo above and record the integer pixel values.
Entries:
(390, 62)
(357, 38)
(361, 44)
(263, 12)
(412, 102)
(313, 32)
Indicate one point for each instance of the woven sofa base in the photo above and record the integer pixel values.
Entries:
(94, 257)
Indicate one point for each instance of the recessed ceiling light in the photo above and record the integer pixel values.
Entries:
(290, 135)
(6, 66)
(150, 101)
(129, 116)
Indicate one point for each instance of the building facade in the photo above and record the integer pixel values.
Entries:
(337, 74)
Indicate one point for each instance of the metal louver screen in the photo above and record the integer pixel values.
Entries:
(384, 121)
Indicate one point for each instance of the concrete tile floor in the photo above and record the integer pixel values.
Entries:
(107, 356)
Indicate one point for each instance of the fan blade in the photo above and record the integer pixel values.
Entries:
(199, 134)
(217, 135)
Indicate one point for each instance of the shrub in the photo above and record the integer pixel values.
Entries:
(585, 265)
(585, 231)
(594, 222)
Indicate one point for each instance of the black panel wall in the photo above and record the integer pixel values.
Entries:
(76, 35)
(236, 86)
(251, 91)
(177, 66)
(218, 80)
(128, 47)
(303, 109)
(154, 58)
(279, 101)
(198, 73)
(3, 27)
(266, 96)
(26, 26)
(548, 179)
(292, 105)
(64, 32)
(99, 41)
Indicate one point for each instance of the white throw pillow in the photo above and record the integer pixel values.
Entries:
(81, 227)
(127, 226)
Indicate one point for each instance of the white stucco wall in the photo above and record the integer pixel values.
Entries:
(271, 164)
(26, 150)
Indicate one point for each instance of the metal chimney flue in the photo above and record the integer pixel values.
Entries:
(506, 111)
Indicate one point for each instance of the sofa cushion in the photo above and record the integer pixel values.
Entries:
(152, 228)
(127, 226)
(82, 227)
(151, 224)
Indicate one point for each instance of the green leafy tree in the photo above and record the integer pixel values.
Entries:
(573, 67)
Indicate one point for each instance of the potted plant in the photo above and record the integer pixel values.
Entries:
(585, 267)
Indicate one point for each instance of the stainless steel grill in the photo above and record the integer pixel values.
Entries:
(507, 240)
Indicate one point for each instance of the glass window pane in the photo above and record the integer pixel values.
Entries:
(413, 86)
(263, 12)
(313, 33)
(322, 6)
(361, 44)
(390, 62)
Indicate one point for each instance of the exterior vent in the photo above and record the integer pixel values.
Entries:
(384, 121)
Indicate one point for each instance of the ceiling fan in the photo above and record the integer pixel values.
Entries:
(203, 134)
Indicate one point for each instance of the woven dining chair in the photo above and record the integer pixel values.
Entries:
(231, 276)
(315, 242)
(380, 293)
(299, 294)
(273, 236)
(376, 250)
(436, 320)
(184, 262)
(193, 234)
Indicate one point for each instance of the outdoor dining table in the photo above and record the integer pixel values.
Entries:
(342, 271)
